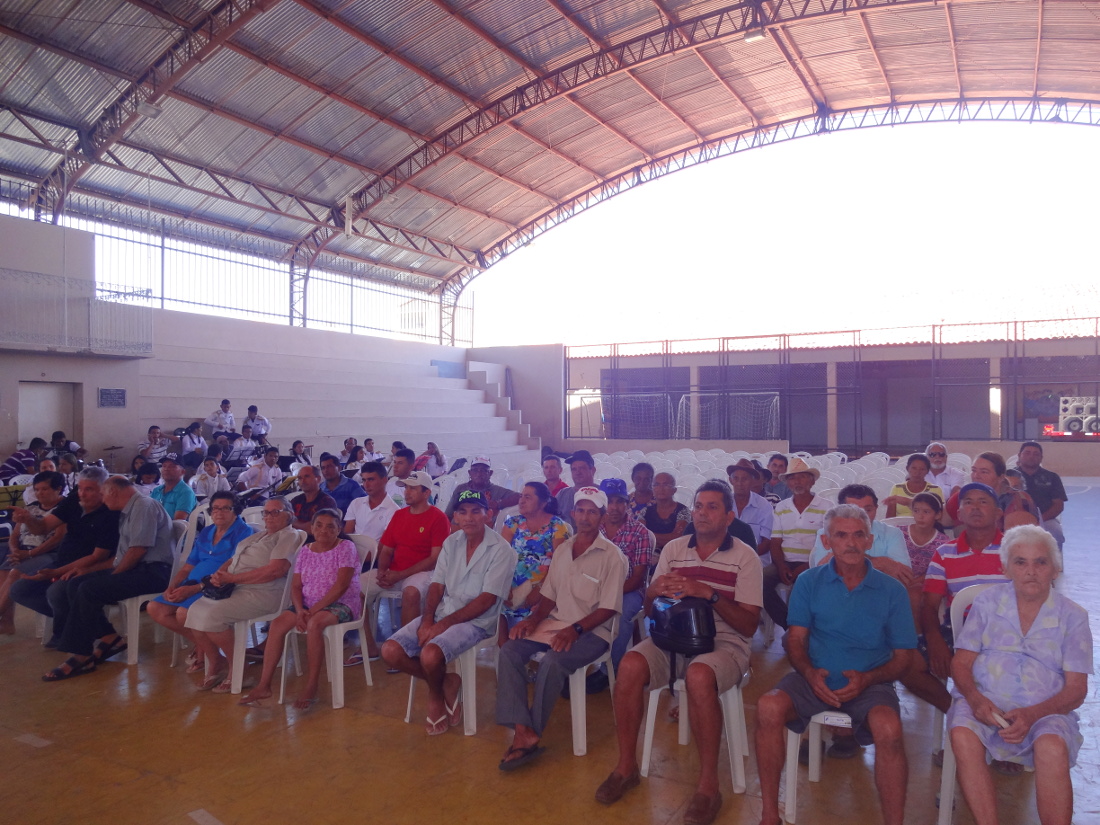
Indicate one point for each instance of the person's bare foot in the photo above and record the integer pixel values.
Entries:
(452, 687)
(305, 702)
(255, 697)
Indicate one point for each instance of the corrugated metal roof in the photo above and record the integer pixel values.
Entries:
(314, 97)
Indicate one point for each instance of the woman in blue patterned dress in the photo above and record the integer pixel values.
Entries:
(534, 534)
(1021, 668)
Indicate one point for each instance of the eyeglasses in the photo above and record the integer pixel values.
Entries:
(272, 513)
(221, 509)
(937, 455)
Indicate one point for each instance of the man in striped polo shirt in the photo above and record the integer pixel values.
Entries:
(973, 558)
(794, 529)
(712, 565)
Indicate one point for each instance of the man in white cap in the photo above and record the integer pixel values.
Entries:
(570, 625)
(481, 474)
(794, 529)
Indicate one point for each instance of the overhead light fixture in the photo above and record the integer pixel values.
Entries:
(149, 110)
(754, 35)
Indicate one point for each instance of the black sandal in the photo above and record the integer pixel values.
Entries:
(104, 651)
(76, 668)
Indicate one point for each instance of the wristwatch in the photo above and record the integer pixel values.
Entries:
(714, 597)
(578, 628)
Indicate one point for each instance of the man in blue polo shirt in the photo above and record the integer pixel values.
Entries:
(343, 490)
(851, 635)
(176, 495)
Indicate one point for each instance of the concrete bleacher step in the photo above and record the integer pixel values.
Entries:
(414, 412)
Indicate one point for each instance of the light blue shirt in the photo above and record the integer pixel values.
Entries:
(488, 571)
(889, 542)
(758, 515)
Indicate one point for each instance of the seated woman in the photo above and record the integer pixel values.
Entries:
(1021, 667)
(258, 571)
(211, 480)
(299, 454)
(534, 533)
(28, 553)
(69, 466)
(136, 463)
(664, 516)
(641, 476)
(325, 591)
(922, 538)
(213, 547)
(192, 447)
(432, 461)
(916, 468)
(355, 458)
(147, 478)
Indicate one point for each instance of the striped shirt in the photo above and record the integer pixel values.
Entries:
(797, 531)
(955, 566)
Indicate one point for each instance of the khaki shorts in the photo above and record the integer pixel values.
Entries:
(727, 662)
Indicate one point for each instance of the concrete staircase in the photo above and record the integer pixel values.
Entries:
(322, 389)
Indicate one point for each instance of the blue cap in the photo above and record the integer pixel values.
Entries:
(977, 485)
(614, 487)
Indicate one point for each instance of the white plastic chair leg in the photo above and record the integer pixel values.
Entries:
(578, 707)
(790, 782)
(132, 610)
(466, 665)
(47, 628)
(650, 725)
(236, 668)
(947, 784)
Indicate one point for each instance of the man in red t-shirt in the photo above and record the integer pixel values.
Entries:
(409, 547)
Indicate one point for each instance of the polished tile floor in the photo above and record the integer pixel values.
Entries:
(140, 745)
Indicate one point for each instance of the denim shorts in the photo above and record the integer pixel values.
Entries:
(454, 640)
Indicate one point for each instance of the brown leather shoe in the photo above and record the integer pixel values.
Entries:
(615, 786)
(702, 809)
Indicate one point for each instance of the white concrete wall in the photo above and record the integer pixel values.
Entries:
(30, 246)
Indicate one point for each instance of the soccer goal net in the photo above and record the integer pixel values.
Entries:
(728, 415)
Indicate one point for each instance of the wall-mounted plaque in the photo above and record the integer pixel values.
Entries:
(112, 397)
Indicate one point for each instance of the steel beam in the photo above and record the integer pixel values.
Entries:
(193, 46)
(1081, 112)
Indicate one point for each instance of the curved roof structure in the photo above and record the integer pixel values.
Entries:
(420, 141)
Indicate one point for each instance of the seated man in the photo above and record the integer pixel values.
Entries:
(61, 444)
(21, 462)
(711, 565)
(751, 508)
(155, 446)
(948, 479)
(91, 537)
(794, 528)
(175, 495)
(582, 469)
(261, 426)
(888, 555)
(480, 481)
(851, 635)
(142, 564)
(409, 548)
(263, 476)
(211, 479)
(244, 448)
(973, 558)
(1045, 488)
(473, 561)
(371, 514)
(630, 536)
(221, 422)
(570, 624)
(343, 490)
(312, 500)
(551, 471)
(369, 453)
(403, 461)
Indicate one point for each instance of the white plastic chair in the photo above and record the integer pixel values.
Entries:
(466, 668)
(334, 640)
(959, 605)
(241, 629)
(734, 724)
(131, 607)
(790, 794)
(578, 704)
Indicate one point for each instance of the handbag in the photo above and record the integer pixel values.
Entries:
(216, 591)
(685, 626)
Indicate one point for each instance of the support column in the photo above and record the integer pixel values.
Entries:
(693, 386)
(831, 415)
(995, 398)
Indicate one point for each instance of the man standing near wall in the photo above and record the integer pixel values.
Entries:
(1045, 488)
